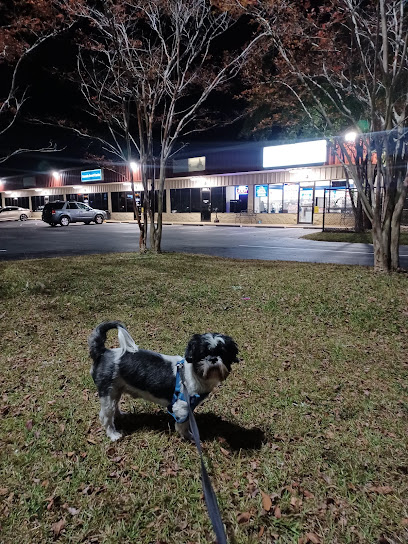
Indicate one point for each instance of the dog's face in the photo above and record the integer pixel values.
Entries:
(211, 355)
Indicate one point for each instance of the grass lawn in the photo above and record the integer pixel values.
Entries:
(306, 442)
(350, 237)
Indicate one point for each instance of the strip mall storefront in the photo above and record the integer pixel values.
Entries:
(274, 195)
(290, 197)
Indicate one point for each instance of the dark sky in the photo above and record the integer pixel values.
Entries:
(51, 95)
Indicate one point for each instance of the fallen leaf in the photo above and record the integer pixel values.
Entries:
(244, 517)
(296, 502)
(313, 538)
(58, 526)
(326, 478)
(308, 494)
(404, 522)
(266, 501)
(381, 490)
(29, 424)
(225, 452)
(261, 531)
(277, 512)
(3, 491)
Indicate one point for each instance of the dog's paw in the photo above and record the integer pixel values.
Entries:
(188, 436)
(114, 435)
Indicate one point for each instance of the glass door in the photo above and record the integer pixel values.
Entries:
(306, 200)
(205, 205)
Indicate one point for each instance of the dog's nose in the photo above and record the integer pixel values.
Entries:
(214, 360)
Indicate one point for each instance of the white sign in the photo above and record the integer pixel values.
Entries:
(295, 154)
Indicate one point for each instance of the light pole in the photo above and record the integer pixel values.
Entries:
(133, 168)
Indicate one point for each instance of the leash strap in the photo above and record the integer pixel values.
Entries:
(209, 495)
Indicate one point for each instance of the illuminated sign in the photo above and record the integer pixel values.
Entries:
(295, 154)
(92, 175)
(261, 190)
(242, 190)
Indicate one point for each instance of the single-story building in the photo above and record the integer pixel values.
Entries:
(293, 185)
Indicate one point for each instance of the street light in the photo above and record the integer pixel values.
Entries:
(350, 136)
(134, 166)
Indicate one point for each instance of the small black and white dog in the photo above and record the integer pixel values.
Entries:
(154, 376)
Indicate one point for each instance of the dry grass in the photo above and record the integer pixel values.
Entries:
(315, 416)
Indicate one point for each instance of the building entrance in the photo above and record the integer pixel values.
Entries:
(205, 205)
(306, 205)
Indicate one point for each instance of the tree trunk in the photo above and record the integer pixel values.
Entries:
(394, 240)
(381, 245)
(156, 233)
(396, 225)
(358, 217)
(156, 239)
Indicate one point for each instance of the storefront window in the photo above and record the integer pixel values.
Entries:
(275, 199)
(218, 199)
(189, 200)
(38, 203)
(98, 201)
(21, 201)
(195, 200)
(122, 202)
(180, 200)
(320, 188)
(338, 200)
(291, 197)
(261, 199)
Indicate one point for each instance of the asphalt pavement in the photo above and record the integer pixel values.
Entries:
(35, 239)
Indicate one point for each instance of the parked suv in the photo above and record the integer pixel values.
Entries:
(64, 213)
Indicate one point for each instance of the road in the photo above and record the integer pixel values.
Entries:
(35, 239)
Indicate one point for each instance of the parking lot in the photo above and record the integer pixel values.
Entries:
(35, 239)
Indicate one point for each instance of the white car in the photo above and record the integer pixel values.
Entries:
(14, 213)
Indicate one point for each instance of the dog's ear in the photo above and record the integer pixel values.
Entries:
(232, 349)
(193, 348)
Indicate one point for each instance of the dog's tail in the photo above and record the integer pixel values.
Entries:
(97, 339)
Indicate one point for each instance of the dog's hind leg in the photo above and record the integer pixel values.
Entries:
(110, 409)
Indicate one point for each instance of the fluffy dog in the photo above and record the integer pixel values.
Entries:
(156, 377)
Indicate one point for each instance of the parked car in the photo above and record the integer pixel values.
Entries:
(14, 213)
(63, 213)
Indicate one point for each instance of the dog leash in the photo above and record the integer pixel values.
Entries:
(209, 495)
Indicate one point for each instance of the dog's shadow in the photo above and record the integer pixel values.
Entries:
(209, 425)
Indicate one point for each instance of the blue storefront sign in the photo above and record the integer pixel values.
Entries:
(92, 175)
(261, 190)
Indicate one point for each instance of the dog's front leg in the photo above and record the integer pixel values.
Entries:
(180, 410)
(184, 430)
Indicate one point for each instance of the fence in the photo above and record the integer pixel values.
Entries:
(338, 213)
(337, 207)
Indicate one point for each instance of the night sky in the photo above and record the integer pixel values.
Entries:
(51, 96)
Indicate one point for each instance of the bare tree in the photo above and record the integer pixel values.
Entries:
(146, 69)
(25, 28)
(347, 60)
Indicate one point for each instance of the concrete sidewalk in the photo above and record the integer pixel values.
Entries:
(209, 224)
